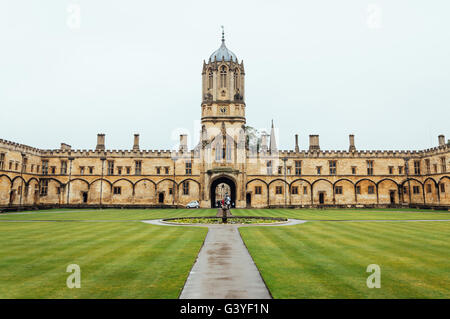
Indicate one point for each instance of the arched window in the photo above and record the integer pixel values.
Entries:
(223, 77)
(210, 80)
(229, 151)
(236, 80)
(218, 150)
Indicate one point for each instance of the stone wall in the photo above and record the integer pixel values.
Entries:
(92, 184)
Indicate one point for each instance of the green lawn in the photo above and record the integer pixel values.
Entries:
(117, 260)
(307, 214)
(329, 259)
(125, 258)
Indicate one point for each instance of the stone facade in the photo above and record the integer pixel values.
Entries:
(257, 175)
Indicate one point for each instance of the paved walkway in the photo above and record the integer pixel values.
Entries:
(224, 268)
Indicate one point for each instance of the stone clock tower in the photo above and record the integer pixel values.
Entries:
(222, 147)
(223, 101)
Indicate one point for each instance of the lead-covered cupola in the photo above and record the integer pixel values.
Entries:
(223, 76)
(223, 53)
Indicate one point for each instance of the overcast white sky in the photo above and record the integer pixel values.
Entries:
(377, 69)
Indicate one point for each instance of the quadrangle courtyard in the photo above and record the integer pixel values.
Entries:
(325, 257)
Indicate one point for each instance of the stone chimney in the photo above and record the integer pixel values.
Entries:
(65, 147)
(296, 143)
(352, 147)
(100, 142)
(136, 142)
(183, 143)
(314, 142)
(441, 140)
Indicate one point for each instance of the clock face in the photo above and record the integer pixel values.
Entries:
(223, 109)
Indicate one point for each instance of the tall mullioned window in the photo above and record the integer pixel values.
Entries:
(210, 79)
(223, 77)
(188, 168)
(44, 187)
(110, 167)
(332, 167)
(369, 167)
(417, 167)
(443, 165)
(228, 152)
(236, 80)
(137, 168)
(63, 167)
(2, 160)
(45, 167)
(219, 151)
(298, 167)
(186, 188)
(428, 166)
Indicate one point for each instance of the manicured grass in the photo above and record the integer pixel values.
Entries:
(117, 259)
(125, 258)
(307, 214)
(329, 259)
(344, 214)
(107, 214)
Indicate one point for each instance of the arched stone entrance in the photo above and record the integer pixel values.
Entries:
(231, 187)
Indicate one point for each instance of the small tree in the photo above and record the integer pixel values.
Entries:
(253, 138)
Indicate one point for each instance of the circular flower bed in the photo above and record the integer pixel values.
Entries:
(230, 220)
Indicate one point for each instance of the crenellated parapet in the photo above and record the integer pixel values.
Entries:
(13, 146)
(90, 153)
(117, 153)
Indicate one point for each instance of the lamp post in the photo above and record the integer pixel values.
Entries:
(68, 182)
(406, 159)
(285, 194)
(21, 177)
(101, 180)
(174, 158)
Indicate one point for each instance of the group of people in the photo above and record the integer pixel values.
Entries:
(225, 202)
